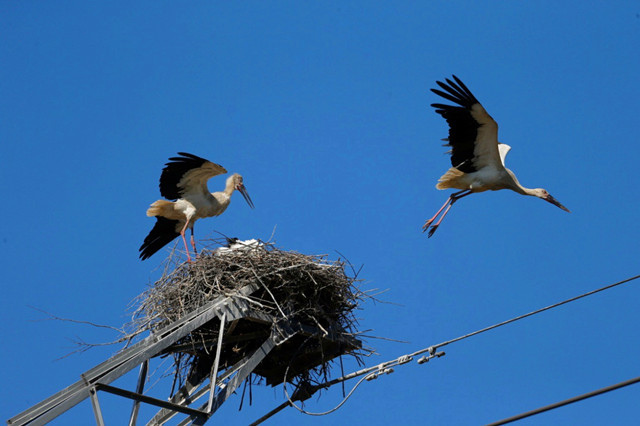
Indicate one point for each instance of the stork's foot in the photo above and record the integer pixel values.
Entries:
(432, 231)
(426, 225)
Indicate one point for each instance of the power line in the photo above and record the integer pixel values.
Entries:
(386, 367)
(555, 305)
(566, 402)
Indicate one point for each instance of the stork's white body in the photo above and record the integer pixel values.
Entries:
(492, 177)
(205, 205)
(196, 205)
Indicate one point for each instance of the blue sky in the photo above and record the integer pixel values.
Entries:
(324, 109)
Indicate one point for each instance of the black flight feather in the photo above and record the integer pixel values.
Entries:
(174, 170)
(163, 232)
(463, 128)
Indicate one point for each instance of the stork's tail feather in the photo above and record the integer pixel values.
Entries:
(163, 232)
(160, 208)
(448, 180)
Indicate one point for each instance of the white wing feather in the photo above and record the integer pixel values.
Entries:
(486, 146)
(504, 149)
(195, 180)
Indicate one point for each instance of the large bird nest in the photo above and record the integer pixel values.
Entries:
(308, 293)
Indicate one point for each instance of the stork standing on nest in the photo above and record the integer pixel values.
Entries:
(476, 155)
(184, 180)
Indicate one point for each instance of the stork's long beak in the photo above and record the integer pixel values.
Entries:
(556, 203)
(245, 194)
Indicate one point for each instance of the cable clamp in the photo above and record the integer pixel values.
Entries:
(432, 354)
(372, 376)
(381, 370)
(404, 359)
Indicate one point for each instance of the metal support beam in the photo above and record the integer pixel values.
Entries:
(244, 372)
(237, 380)
(229, 309)
(142, 377)
(185, 395)
(214, 371)
(148, 400)
(126, 360)
(97, 412)
(189, 393)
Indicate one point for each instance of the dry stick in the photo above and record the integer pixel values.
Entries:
(250, 300)
(271, 294)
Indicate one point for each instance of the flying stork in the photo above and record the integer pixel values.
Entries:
(184, 180)
(476, 155)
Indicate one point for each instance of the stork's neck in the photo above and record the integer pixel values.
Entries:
(515, 185)
(534, 192)
(229, 188)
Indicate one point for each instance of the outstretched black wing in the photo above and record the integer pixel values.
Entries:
(473, 134)
(185, 174)
(163, 232)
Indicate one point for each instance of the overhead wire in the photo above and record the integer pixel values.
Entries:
(566, 402)
(385, 367)
(537, 311)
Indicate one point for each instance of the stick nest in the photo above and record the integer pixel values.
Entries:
(313, 295)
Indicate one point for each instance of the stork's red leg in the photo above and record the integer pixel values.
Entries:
(434, 227)
(186, 247)
(452, 199)
(193, 243)
(430, 221)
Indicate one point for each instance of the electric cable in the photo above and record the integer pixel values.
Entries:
(566, 402)
(385, 367)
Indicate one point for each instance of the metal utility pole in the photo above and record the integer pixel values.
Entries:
(218, 383)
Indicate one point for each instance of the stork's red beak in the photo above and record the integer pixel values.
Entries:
(556, 203)
(245, 194)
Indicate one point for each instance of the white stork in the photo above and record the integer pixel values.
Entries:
(476, 155)
(184, 180)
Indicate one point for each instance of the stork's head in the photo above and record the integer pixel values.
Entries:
(542, 193)
(238, 184)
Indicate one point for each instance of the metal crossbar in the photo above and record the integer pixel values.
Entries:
(227, 309)
(128, 359)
